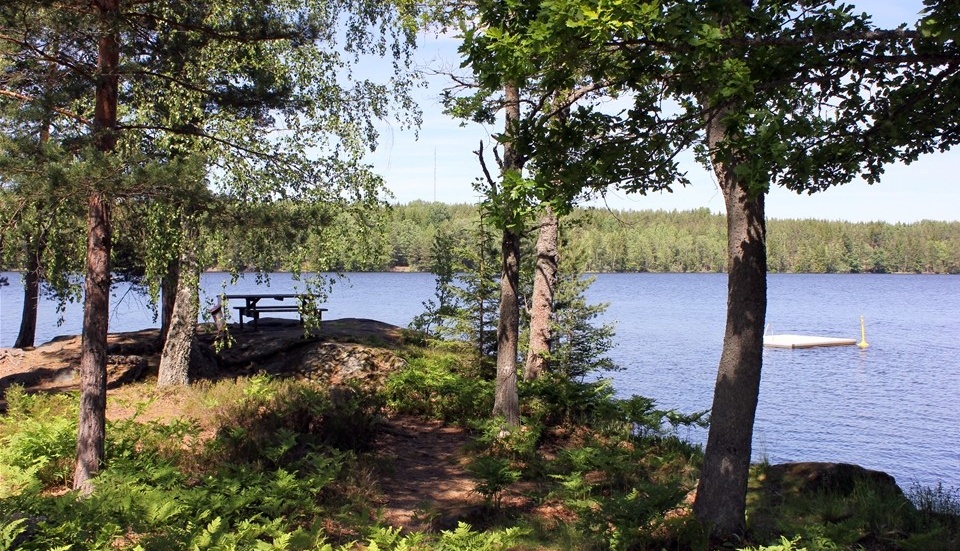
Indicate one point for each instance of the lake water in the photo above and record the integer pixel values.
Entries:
(894, 406)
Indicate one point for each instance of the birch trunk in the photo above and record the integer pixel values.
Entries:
(175, 360)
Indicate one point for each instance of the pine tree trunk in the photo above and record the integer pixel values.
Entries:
(721, 494)
(91, 431)
(27, 336)
(93, 359)
(175, 360)
(541, 310)
(31, 285)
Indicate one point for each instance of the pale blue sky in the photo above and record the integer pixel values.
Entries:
(440, 164)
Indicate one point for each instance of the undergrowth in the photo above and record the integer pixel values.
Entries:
(285, 470)
(262, 463)
(869, 515)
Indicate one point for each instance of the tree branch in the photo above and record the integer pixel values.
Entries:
(289, 34)
(64, 112)
(483, 165)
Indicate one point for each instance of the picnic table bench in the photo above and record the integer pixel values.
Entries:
(303, 303)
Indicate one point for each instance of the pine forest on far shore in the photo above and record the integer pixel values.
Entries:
(401, 238)
(675, 241)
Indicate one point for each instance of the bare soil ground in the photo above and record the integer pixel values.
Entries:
(428, 487)
(424, 484)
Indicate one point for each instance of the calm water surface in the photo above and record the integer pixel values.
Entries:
(894, 406)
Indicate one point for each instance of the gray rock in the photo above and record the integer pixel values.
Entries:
(812, 477)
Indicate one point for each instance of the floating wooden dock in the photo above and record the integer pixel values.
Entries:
(804, 341)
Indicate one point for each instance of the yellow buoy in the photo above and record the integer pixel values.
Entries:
(863, 335)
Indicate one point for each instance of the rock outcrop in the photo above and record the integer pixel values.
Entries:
(336, 363)
(343, 351)
(812, 477)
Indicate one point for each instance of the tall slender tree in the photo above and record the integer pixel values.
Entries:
(36, 133)
(502, 82)
(506, 402)
(96, 303)
(541, 303)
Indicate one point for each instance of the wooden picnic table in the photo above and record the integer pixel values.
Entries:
(252, 308)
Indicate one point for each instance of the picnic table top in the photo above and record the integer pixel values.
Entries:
(277, 296)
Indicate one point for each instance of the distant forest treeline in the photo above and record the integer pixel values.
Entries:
(693, 241)
(280, 237)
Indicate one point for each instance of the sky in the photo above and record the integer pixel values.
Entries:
(438, 164)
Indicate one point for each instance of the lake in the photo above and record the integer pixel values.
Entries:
(893, 407)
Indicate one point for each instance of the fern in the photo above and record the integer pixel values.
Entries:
(784, 545)
(208, 536)
(10, 532)
(39, 453)
(493, 475)
(463, 538)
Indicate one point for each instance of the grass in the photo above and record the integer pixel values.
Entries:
(265, 463)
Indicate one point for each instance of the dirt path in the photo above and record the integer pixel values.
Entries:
(426, 486)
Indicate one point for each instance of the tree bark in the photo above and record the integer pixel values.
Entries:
(168, 297)
(96, 304)
(506, 402)
(93, 360)
(541, 310)
(31, 294)
(175, 360)
(721, 493)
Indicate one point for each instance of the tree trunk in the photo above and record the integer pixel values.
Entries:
(541, 310)
(31, 285)
(31, 294)
(168, 297)
(96, 304)
(721, 494)
(175, 360)
(506, 402)
(93, 360)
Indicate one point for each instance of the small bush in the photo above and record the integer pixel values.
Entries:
(280, 420)
(557, 400)
(493, 476)
(518, 444)
(437, 387)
